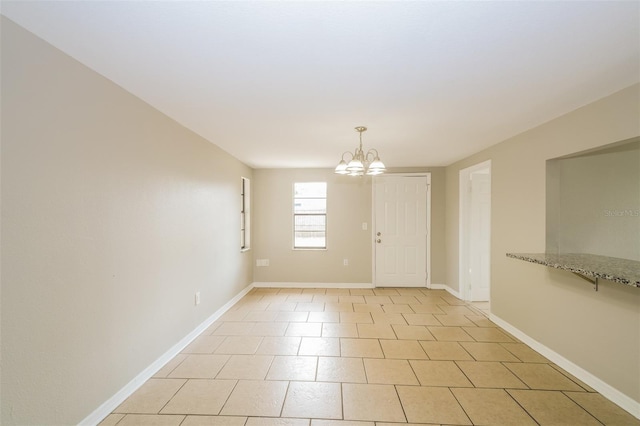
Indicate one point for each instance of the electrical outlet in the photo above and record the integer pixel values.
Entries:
(262, 262)
(365, 226)
(197, 300)
(345, 262)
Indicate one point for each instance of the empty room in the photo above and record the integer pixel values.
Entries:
(320, 213)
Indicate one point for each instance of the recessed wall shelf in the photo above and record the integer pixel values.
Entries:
(588, 266)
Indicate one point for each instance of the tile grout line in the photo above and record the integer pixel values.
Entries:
(342, 400)
(520, 405)
(559, 370)
(172, 396)
(580, 405)
(404, 412)
(473, 385)
(284, 400)
(460, 405)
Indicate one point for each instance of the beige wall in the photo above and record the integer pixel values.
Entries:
(348, 206)
(113, 216)
(598, 331)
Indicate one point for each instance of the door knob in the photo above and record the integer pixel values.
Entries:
(379, 233)
(378, 240)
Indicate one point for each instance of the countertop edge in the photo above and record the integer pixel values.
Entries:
(556, 261)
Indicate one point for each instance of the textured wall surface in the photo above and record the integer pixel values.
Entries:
(113, 216)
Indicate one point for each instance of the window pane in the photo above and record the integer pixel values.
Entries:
(310, 231)
(310, 205)
(309, 240)
(310, 223)
(310, 190)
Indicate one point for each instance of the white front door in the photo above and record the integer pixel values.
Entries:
(400, 231)
(479, 237)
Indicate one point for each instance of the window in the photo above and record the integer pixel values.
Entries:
(245, 214)
(310, 215)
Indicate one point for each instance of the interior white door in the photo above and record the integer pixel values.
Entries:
(401, 231)
(479, 237)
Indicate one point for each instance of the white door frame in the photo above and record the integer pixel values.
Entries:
(463, 231)
(373, 223)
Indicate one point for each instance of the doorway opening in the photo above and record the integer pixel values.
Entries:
(401, 240)
(475, 233)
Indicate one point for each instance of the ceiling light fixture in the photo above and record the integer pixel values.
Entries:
(361, 163)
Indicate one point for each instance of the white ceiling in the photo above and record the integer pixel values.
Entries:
(283, 84)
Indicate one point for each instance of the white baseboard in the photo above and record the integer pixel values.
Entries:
(112, 403)
(606, 390)
(454, 293)
(310, 285)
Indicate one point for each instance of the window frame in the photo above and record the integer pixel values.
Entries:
(245, 214)
(294, 215)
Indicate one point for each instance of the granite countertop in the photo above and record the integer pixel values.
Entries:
(623, 271)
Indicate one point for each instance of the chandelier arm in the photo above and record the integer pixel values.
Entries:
(345, 153)
(373, 154)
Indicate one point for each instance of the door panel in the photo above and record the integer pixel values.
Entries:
(411, 261)
(401, 231)
(479, 237)
(390, 260)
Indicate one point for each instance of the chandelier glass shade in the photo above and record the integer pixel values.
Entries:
(358, 163)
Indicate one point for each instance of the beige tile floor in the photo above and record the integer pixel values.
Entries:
(361, 357)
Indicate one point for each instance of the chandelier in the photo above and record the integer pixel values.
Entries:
(359, 162)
